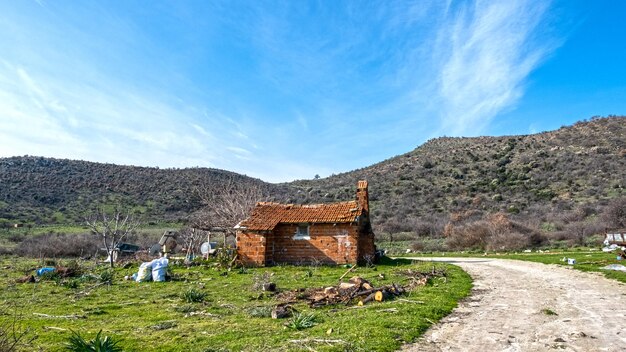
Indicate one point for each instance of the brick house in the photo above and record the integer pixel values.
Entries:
(334, 233)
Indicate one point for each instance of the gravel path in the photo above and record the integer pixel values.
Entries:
(510, 305)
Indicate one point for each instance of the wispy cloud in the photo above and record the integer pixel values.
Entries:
(279, 92)
(487, 52)
(43, 116)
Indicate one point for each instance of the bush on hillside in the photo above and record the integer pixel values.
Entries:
(53, 245)
(615, 214)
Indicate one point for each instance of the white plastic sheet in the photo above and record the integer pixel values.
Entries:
(159, 269)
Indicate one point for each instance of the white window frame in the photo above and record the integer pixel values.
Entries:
(302, 232)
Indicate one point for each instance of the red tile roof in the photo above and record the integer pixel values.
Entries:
(266, 215)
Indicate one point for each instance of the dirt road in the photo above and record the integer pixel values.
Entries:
(523, 306)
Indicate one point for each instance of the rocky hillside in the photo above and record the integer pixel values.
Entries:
(528, 177)
(46, 190)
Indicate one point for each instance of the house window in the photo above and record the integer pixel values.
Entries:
(302, 232)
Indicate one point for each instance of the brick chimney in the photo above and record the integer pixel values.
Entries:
(362, 197)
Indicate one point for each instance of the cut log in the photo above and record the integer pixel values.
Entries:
(346, 285)
(356, 280)
(365, 293)
(330, 291)
(378, 296)
(368, 299)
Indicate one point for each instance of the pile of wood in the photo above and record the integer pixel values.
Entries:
(416, 278)
(356, 289)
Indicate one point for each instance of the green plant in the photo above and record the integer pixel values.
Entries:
(260, 312)
(193, 296)
(225, 258)
(302, 321)
(77, 343)
(243, 270)
(548, 311)
(106, 277)
(51, 276)
(71, 283)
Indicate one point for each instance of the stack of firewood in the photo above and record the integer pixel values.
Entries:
(359, 291)
(417, 278)
(356, 289)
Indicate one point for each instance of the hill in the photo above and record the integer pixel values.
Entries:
(535, 178)
(541, 181)
(47, 190)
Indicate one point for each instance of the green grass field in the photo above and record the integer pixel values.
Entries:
(79, 229)
(153, 316)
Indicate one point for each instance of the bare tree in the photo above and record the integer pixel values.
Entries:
(192, 239)
(615, 214)
(395, 226)
(112, 228)
(226, 204)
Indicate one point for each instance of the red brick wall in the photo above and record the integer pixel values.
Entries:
(367, 248)
(251, 248)
(328, 243)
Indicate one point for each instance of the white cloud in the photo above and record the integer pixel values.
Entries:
(487, 52)
(352, 77)
(201, 130)
(86, 120)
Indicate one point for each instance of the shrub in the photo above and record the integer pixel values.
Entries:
(428, 245)
(302, 321)
(71, 283)
(507, 242)
(77, 343)
(225, 258)
(260, 312)
(615, 214)
(193, 296)
(493, 232)
(106, 276)
(51, 276)
(537, 239)
(470, 236)
(143, 238)
(576, 233)
(58, 245)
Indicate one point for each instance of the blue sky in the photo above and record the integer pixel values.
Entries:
(287, 90)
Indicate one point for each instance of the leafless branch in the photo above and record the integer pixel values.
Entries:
(112, 228)
(226, 204)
